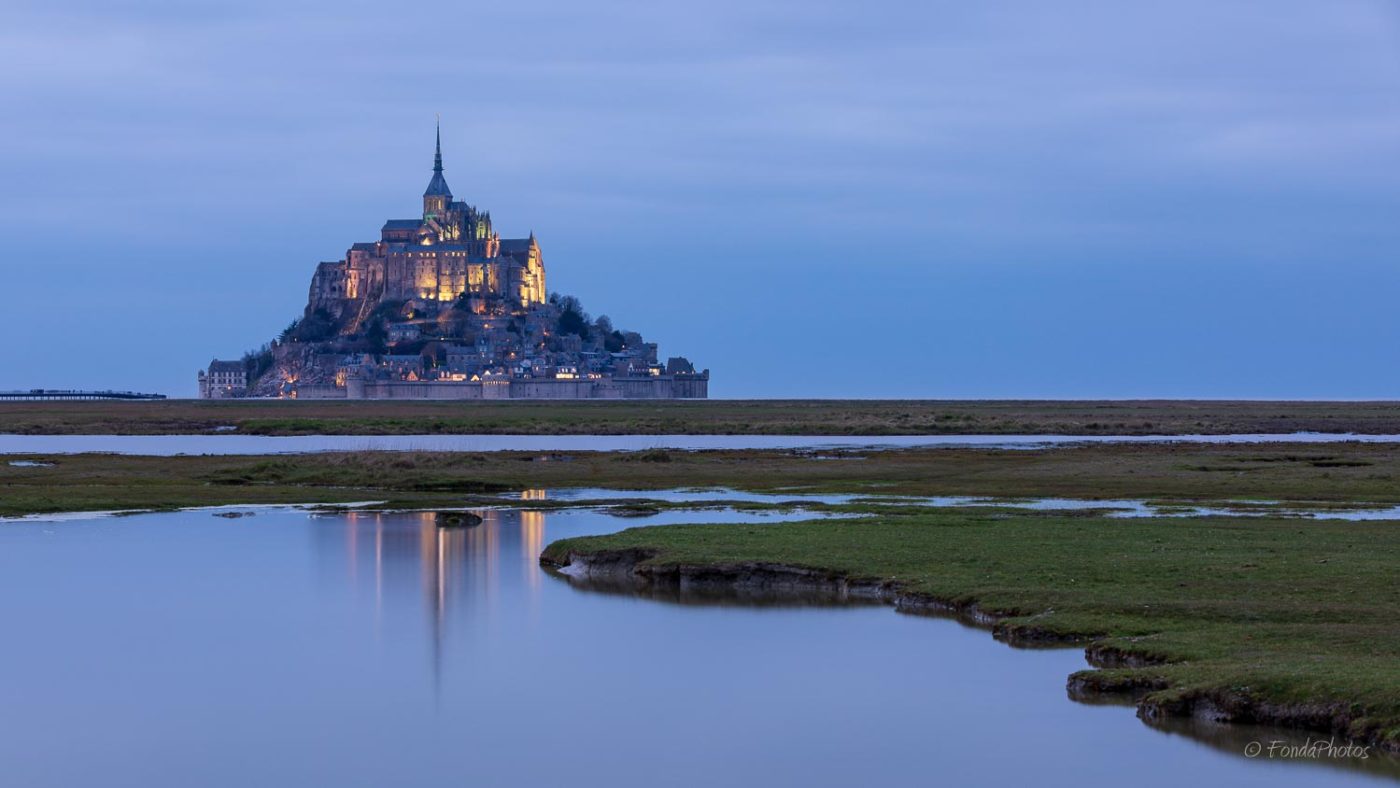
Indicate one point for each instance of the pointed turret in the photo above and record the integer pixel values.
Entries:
(437, 196)
(437, 187)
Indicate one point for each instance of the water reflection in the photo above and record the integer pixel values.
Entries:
(375, 649)
(401, 554)
(715, 594)
(467, 574)
(1269, 744)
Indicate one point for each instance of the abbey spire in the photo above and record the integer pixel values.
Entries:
(437, 195)
(437, 156)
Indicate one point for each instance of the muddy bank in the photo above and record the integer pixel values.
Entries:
(1121, 675)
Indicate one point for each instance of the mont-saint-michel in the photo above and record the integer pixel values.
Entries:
(443, 307)
(434, 523)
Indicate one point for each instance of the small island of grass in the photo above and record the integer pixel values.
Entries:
(1278, 621)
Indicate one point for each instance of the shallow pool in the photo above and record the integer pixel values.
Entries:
(296, 648)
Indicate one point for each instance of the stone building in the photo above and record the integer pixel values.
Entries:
(450, 252)
(442, 307)
(223, 379)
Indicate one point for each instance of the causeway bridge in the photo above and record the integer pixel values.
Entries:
(50, 394)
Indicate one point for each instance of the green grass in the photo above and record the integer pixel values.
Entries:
(735, 417)
(1246, 612)
(1278, 611)
(1357, 473)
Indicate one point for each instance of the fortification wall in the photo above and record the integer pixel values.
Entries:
(615, 388)
(319, 392)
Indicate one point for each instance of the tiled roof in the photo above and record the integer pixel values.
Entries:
(437, 187)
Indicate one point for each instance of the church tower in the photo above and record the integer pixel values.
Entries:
(437, 196)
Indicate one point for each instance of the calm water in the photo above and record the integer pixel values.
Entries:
(166, 445)
(290, 648)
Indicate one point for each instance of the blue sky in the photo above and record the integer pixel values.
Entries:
(923, 199)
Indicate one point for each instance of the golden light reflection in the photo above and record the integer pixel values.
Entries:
(458, 577)
(532, 543)
(378, 569)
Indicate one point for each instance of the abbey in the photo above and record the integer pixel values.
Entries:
(451, 252)
(442, 307)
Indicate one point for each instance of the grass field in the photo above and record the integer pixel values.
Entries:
(720, 417)
(1280, 621)
(1338, 473)
(1289, 620)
